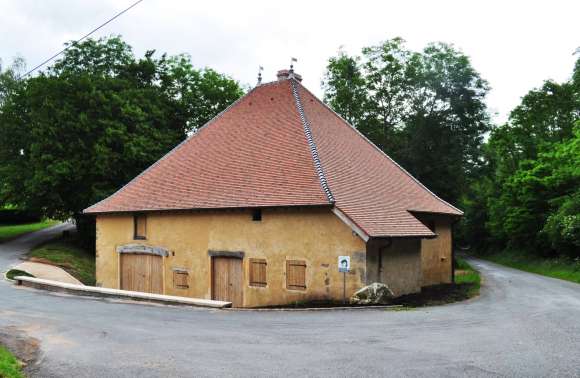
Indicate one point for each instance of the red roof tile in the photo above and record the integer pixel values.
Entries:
(368, 186)
(280, 146)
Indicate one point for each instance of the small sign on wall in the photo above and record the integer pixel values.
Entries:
(344, 264)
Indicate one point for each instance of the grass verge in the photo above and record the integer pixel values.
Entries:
(10, 367)
(8, 232)
(562, 268)
(467, 285)
(68, 254)
(16, 272)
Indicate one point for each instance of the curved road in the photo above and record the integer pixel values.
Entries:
(522, 325)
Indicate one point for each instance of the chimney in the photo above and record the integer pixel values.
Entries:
(288, 74)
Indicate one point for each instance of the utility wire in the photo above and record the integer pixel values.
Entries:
(80, 39)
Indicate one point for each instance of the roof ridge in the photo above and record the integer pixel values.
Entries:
(179, 145)
(311, 143)
(382, 152)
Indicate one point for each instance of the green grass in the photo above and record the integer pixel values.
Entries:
(10, 367)
(69, 255)
(17, 272)
(562, 268)
(467, 277)
(11, 231)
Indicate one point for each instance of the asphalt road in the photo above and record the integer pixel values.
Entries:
(522, 325)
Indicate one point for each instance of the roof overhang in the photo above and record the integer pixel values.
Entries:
(209, 209)
(353, 226)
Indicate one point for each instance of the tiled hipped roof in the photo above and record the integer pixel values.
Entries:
(281, 146)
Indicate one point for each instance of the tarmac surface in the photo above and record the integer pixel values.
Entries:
(522, 325)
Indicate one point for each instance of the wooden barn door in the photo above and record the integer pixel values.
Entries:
(227, 280)
(141, 272)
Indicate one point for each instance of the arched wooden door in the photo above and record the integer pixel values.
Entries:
(142, 272)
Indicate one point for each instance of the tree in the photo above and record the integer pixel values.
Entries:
(343, 86)
(425, 109)
(9, 78)
(79, 131)
(526, 194)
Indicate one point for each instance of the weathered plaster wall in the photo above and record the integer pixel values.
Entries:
(436, 253)
(315, 236)
(396, 263)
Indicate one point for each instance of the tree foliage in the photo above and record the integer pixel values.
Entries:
(426, 109)
(527, 194)
(9, 78)
(76, 133)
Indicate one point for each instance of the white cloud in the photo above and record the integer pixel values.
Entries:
(514, 45)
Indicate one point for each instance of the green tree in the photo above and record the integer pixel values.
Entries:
(343, 86)
(526, 194)
(95, 119)
(9, 78)
(426, 109)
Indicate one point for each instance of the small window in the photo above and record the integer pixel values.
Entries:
(258, 272)
(257, 215)
(140, 227)
(180, 279)
(296, 275)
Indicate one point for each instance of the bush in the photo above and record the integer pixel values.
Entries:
(17, 272)
(17, 216)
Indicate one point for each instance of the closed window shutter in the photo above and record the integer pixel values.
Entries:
(258, 272)
(296, 274)
(140, 224)
(180, 279)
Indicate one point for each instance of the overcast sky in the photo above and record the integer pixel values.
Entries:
(514, 45)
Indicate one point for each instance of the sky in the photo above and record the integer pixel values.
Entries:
(514, 45)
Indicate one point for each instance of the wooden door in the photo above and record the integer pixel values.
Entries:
(142, 272)
(227, 280)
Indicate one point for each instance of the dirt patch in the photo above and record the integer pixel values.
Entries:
(315, 304)
(26, 349)
(436, 295)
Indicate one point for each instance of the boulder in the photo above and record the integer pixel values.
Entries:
(375, 293)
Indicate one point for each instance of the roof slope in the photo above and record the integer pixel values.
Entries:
(254, 154)
(281, 146)
(368, 186)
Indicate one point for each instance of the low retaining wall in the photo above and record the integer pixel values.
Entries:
(92, 291)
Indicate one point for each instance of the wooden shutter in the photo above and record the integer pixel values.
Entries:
(296, 274)
(258, 272)
(140, 226)
(180, 279)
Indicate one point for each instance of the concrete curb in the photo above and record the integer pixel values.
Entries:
(340, 308)
(101, 292)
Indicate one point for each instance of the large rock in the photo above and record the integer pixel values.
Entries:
(375, 293)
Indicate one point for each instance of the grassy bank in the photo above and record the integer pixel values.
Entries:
(15, 273)
(69, 255)
(8, 232)
(467, 277)
(10, 367)
(562, 268)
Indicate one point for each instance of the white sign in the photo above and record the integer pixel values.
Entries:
(344, 264)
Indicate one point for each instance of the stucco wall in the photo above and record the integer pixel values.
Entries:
(315, 236)
(395, 262)
(436, 253)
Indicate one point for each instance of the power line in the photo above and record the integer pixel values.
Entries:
(80, 39)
